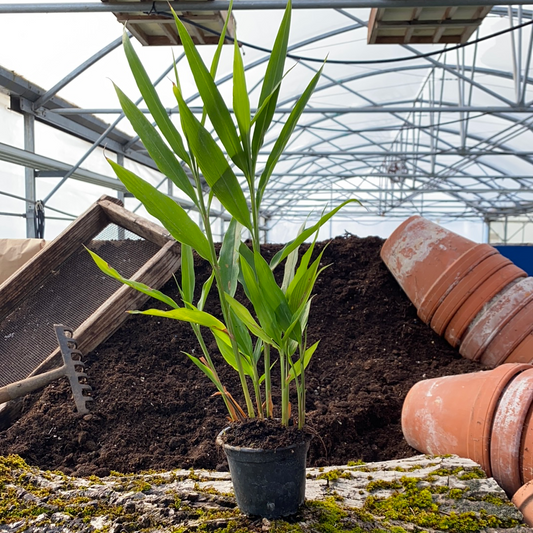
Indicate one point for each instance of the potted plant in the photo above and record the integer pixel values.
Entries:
(268, 482)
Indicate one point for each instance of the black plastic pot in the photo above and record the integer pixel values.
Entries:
(267, 483)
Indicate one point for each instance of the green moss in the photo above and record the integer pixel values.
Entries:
(473, 473)
(356, 463)
(417, 506)
(457, 494)
(334, 475)
(383, 485)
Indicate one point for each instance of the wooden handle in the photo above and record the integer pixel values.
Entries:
(25, 386)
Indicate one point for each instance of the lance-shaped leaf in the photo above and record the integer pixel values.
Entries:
(247, 318)
(194, 316)
(289, 247)
(153, 101)
(213, 102)
(242, 336)
(241, 102)
(290, 266)
(285, 135)
(161, 154)
(218, 52)
(229, 257)
(296, 369)
(187, 273)
(206, 287)
(213, 164)
(273, 75)
(167, 211)
(206, 370)
(265, 313)
(141, 287)
(224, 345)
(271, 293)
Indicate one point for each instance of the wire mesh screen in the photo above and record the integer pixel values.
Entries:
(68, 295)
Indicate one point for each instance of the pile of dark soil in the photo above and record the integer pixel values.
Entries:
(153, 409)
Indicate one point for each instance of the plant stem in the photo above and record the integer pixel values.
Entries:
(268, 383)
(284, 390)
(223, 304)
(205, 351)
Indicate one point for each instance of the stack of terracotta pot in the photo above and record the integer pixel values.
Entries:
(484, 416)
(469, 293)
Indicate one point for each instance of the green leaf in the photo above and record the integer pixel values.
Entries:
(205, 369)
(285, 135)
(271, 293)
(229, 257)
(194, 316)
(273, 75)
(213, 164)
(289, 247)
(167, 211)
(214, 103)
(187, 273)
(218, 52)
(141, 287)
(224, 345)
(244, 341)
(290, 266)
(296, 369)
(266, 315)
(153, 102)
(241, 103)
(247, 318)
(206, 287)
(161, 154)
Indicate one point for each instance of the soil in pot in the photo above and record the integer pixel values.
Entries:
(154, 410)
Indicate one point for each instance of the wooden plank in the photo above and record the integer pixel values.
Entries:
(111, 314)
(30, 276)
(372, 30)
(135, 223)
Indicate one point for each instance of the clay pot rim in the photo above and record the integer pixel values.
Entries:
(454, 274)
(470, 283)
(467, 350)
(498, 283)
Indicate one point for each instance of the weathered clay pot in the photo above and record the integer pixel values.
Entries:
(523, 499)
(493, 319)
(526, 448)
(454, 414)
(470, 283)
(509, 337)
(419, 253)
(507, 431)
(523, 353)
(473, 305)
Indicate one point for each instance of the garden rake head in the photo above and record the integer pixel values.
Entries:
(72, 367)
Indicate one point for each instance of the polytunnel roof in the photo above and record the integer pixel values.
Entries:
(439, 130)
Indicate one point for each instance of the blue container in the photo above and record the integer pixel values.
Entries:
(520, 254)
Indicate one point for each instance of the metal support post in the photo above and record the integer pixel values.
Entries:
(29, 176)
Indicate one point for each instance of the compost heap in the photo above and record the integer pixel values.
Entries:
(153, 408)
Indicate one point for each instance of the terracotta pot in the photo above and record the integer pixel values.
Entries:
(493, 319)
(509, 337)
(523, 353)
(526, 449)
(523, 499)
(507, 430)
(452, 277)
(464, 288)
(473, 305)
(454, 414)
(418, 252)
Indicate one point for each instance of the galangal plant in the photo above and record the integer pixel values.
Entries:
(275, 340)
